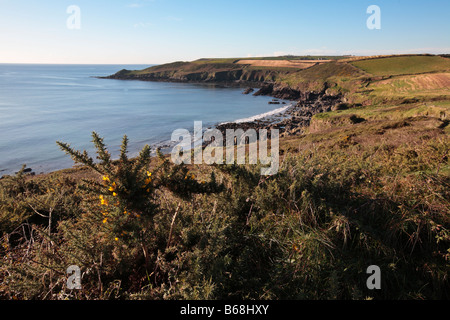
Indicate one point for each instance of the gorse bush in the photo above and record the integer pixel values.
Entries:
(113, 237)
(145, 228)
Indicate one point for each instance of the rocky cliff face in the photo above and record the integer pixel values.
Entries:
(219, 76)
(285, 92)
(308, 103)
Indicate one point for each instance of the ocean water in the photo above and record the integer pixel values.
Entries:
(42, 104)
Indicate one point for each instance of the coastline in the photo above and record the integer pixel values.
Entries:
(295, 117)
(291, 116)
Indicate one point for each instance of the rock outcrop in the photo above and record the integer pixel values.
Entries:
(296, 118)
(308, 103)
(231, 74)
(248, 91)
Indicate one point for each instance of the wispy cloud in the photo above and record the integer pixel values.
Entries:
(143, 25)
(430, 50)
(324, 51)
(274, 54)
(172, 18)
(139, 4)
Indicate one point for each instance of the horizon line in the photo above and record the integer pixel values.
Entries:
(253, 57)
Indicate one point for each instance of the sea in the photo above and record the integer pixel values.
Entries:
(42, 104)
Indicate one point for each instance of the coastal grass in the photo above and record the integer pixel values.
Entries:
(418, 87)
(348, 194)
(341, 76)
(436, 109)
(366, 184)
(293, 57)
(402, 65)
(382, 78)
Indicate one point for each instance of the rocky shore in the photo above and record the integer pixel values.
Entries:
(293, 121)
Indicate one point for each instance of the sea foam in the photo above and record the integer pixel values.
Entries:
(262, 115)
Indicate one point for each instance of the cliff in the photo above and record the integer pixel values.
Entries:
(357, 80)
(194, 72)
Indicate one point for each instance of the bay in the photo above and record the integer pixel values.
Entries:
(42, 104)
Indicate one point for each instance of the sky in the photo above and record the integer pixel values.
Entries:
(160, 31)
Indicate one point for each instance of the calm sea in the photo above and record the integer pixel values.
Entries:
(40, 104)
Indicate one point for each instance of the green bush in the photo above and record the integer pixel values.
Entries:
(147, 229)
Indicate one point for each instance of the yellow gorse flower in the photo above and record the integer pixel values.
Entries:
(148, 180)
(103, 201)
(105, 178)
(113, 187)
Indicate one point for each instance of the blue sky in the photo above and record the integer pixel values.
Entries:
(158, 31)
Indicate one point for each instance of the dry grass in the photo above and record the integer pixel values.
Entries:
(298, 64)
(439, 81)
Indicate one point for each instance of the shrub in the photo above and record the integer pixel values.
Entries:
(147, 229)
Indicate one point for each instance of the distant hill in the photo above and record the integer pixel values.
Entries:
(303, 73)
(226, 70)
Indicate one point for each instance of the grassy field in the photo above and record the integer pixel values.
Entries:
(402, 65)
(414, 86)
(296, 64)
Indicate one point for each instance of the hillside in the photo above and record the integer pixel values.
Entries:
(338, 75)
(364, 180)
(224, 70)
(402, 65)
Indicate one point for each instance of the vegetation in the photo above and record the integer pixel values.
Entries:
(218, 70)
(366, 184)
(345, 73)
(393, 66)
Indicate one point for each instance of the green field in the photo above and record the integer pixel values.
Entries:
(403, 65)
